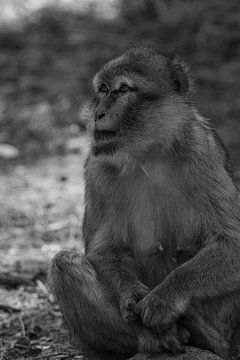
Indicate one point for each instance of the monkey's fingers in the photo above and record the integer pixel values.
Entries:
(129, 301)
(128, 312)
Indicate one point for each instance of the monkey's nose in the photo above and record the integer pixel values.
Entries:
(99, 116)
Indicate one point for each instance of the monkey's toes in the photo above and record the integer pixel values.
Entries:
(183, 334)
(148, 342)
(153, 343)
(172, 341)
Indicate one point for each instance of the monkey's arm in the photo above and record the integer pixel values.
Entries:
(116, 267)
(114, 262)
(214, 271)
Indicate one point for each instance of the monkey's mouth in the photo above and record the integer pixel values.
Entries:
(105, 142)
(101, 135)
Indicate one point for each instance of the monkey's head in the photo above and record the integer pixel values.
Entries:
(141, 100)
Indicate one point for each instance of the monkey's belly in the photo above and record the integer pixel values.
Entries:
(155, 263)
(154, 267)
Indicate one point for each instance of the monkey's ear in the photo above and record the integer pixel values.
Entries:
(179, 76)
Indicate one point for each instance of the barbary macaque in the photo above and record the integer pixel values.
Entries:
(161, 268)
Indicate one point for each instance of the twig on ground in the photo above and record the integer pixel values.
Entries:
(44, 290)
(12, 280)
(22, 326)
(9, 308)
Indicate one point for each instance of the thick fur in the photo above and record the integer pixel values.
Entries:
(162, 220)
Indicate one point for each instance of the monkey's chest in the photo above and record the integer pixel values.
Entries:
(162, 234)
(159, 220)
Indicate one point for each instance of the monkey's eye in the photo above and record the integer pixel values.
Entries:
(103, 89)
(123, 89)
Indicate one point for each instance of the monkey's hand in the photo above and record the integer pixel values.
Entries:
(159, 310)
(129, 299)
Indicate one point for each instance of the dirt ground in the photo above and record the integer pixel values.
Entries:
(40, 213)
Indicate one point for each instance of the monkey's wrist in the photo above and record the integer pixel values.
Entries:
(136, 291)
(170, 294)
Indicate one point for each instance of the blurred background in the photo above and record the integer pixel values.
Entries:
(49, 51)
(49, 55)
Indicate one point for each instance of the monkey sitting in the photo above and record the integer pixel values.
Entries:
(161, 225)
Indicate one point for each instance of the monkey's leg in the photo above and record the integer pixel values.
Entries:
(89, 308)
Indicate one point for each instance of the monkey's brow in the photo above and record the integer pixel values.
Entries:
(107, 77)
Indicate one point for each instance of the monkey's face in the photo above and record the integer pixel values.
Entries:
(112, 120)
(132, 96)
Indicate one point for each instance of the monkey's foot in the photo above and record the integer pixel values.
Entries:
(172, 341)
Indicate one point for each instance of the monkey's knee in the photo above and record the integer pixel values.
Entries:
(70, 261)
(69, 270)
(72, 279)
(87, 305)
